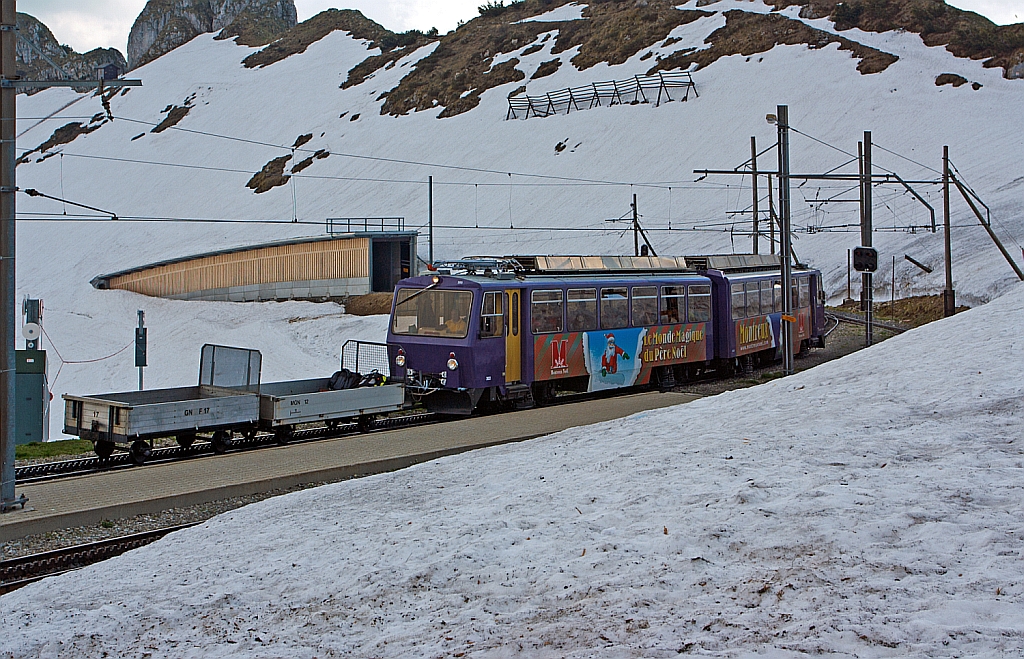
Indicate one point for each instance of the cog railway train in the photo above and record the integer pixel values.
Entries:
(492, 333)
(516, 330)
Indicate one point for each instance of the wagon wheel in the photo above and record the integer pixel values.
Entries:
(221, 441)
(139, 451)
(283, 434)
(366, 422)
(185, 440)
(104, 449)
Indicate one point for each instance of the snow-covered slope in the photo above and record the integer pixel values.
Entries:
(870, 507)
(642, 149)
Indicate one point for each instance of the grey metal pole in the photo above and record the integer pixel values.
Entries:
(865, 235)
(430, 215)
(771, 216)
(948, 294)
(787, 267)
(8, 38)
(892, 296)
(636, 231)
(849, 286)
(140, 336)
(753, 178)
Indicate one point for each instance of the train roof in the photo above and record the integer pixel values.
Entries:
(532, 266)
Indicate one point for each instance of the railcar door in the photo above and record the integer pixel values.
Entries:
(513, 338)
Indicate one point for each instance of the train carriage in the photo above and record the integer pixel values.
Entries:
(516, 330)
(748, 292)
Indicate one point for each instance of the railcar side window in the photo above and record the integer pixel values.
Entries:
(777, 293)
(546, 311)
(645, 306)
(805, 292)
(753, 299)
(698, 303)
(767, 304)
(795, 300)
(514, 307)
(422, 312)
(614, 308)
(492, 320)
(739, 307)
(582, 309)
(672, 302)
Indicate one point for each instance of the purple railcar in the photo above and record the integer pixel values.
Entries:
(516, 330)
(747, 291)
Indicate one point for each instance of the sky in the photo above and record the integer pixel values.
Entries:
(88, 24)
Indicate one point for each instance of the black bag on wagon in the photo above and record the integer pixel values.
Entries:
(344, 379)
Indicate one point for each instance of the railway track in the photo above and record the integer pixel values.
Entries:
(45, 471)
(857, 320)
(21, 571)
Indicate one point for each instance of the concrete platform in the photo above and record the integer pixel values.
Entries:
(148, 489)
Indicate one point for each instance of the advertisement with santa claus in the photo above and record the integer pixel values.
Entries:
(613, 357)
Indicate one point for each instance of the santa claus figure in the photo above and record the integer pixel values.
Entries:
(610, 358)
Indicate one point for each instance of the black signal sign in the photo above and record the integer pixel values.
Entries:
(865, 259)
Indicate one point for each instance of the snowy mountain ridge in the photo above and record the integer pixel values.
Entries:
(373, 102)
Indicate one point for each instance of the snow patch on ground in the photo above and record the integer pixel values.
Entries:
(869, 507)
(569, 12)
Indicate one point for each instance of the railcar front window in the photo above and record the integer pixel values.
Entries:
(614, 308)
(582, 309)
(432, 313)
(672, 302)
(805, 292)
(492, 320)
(645, 306)
(546, 311)
(699, 303)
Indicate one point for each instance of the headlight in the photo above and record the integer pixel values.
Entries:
(400, 358)
(453, 363)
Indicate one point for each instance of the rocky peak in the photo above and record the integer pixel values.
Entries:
(32, 64)
(164, 25)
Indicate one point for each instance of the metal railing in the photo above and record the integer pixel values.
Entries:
(337, 225)
(638, 89)
(365, 357)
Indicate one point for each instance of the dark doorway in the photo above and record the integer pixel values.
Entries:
(391, 263)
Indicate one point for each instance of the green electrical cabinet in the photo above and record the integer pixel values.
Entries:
(32, 396)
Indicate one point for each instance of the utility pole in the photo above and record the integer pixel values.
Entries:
(636, 230)
(787, 268)
(8, 38)
(9, 84)
(430, 216)
(867, 293)
(771, 216)
(948, 294)
(753, 178)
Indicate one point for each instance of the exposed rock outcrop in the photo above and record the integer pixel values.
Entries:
(164, 25)
(32, 65)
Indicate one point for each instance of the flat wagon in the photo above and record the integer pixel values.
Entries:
(225, 401)
(284, 405)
